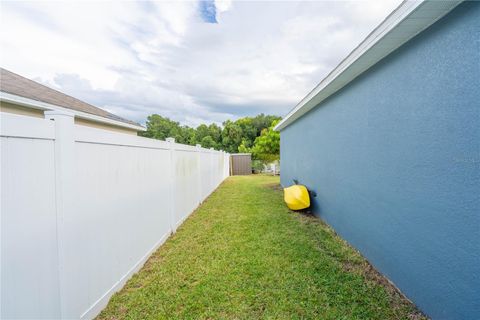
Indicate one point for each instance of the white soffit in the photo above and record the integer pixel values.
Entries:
(406, 21)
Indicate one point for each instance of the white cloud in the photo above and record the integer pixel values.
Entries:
(138, 58)
(222, 6)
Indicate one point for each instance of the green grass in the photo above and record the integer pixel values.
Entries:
(244, 255)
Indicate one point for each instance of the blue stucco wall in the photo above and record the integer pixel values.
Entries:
(395, 160)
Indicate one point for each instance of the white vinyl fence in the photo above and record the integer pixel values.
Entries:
(83, 208)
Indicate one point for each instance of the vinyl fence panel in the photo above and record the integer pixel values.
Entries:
(83, 208)
(187, 189)
(29, 277)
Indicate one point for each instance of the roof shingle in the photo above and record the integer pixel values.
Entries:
(15, 84)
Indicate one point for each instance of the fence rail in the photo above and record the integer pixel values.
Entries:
(83, 208)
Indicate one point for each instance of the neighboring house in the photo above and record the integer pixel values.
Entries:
(22, 96)
(390, 143)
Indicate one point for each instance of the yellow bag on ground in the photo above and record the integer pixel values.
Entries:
(296, 197)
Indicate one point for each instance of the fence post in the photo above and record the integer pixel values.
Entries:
(199, 171)
(228, 164)
(211, 170)
(171, 146)
(225, 167)
(222, 172)
(64, 157)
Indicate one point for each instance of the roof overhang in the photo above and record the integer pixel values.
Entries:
(405, 22)
(34, 104)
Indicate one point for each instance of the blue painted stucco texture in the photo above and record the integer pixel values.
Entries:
(394, 158)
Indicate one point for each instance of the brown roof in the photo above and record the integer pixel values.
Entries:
(15, 84)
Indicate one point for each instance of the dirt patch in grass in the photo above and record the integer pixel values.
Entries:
(399, 300)
(275, 186)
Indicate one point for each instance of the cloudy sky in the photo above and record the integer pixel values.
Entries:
(195, 62)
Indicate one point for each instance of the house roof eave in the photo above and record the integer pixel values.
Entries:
(405, 22)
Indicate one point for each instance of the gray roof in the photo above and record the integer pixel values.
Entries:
(15, 84)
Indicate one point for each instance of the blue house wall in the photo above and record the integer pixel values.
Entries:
(394, 158)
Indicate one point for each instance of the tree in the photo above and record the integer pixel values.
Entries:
(263, 121)
(188, 135)
(231, 136)
(242, 148)
(201, 132)
(235, 136)
(249, 132)
(241, 134)
(267, 145)
(207, 142)
(215, 132)
(161, 128)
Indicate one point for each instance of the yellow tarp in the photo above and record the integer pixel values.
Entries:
(296, 197)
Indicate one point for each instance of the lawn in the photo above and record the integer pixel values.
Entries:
(244, 255)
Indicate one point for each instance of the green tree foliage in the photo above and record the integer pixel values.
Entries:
(262, 121)
(235, 136)
(189, 135)
(267, 145)
(240, 135)
(161, 128)
(242, 148)
(216, 133)
(208, 142)
(232, 135)
(201, 132)
(249, 131)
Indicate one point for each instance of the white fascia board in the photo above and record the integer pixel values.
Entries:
(375, 47)
(34, 104)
